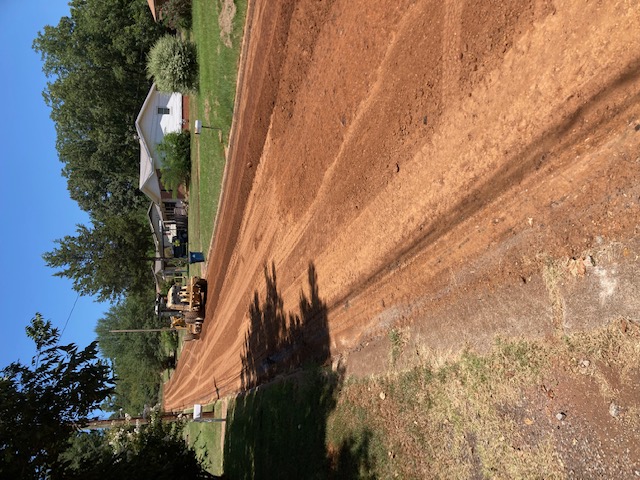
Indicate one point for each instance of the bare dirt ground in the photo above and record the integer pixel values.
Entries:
(456, 169)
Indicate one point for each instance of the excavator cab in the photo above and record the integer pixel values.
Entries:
(184, 304)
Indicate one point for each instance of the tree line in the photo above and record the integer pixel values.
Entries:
(95, 62)
(45, 405)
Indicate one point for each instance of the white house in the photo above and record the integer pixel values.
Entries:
(160, 114)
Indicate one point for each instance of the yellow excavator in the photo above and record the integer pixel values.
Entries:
(184, 305)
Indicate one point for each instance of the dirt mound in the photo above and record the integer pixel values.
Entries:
(436, 163)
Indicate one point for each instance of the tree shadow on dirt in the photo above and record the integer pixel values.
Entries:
(277, 341)
(277, 428)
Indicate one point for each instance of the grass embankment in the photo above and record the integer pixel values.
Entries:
(474, 416)
(206, 438)
(279, 431)
(217, 32)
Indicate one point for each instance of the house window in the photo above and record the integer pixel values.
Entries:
(163, 111)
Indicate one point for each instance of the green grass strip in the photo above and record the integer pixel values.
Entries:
(218, 59)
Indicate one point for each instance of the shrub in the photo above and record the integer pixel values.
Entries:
(176, 14)
(173, 65)
(175, 151)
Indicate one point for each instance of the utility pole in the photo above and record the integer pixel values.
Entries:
(205, 417)
(119, 422)
(166, 329)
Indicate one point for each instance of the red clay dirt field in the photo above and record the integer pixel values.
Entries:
(420, 165)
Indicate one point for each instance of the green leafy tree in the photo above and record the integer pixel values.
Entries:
(84, 447)
(156, 450)
(108, 260)
(173, 65)
(95, 60)
(138, 358)
(41, 404)
(175, 150)
(44, 405)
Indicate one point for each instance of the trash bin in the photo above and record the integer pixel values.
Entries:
(196, 257)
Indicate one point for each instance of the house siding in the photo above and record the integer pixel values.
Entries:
(155, 126)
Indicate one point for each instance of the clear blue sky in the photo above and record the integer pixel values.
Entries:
(36, 208)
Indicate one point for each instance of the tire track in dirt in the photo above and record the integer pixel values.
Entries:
(390, 208)
(451, 59)
(514, 174)
(516, 170)
(268, 27)
(360, 119)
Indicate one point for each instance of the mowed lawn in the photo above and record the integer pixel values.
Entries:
(206, 437)
(217, 31)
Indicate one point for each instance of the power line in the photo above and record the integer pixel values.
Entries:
(67, 322)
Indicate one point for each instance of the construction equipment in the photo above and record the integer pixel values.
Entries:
(184, 305)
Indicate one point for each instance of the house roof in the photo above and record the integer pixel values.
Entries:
(149, 180)
(155, 5)
(148, 124)
(152, 6)
(155, 222)
(155, 219)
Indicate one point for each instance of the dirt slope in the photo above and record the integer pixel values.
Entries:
(433, 161)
